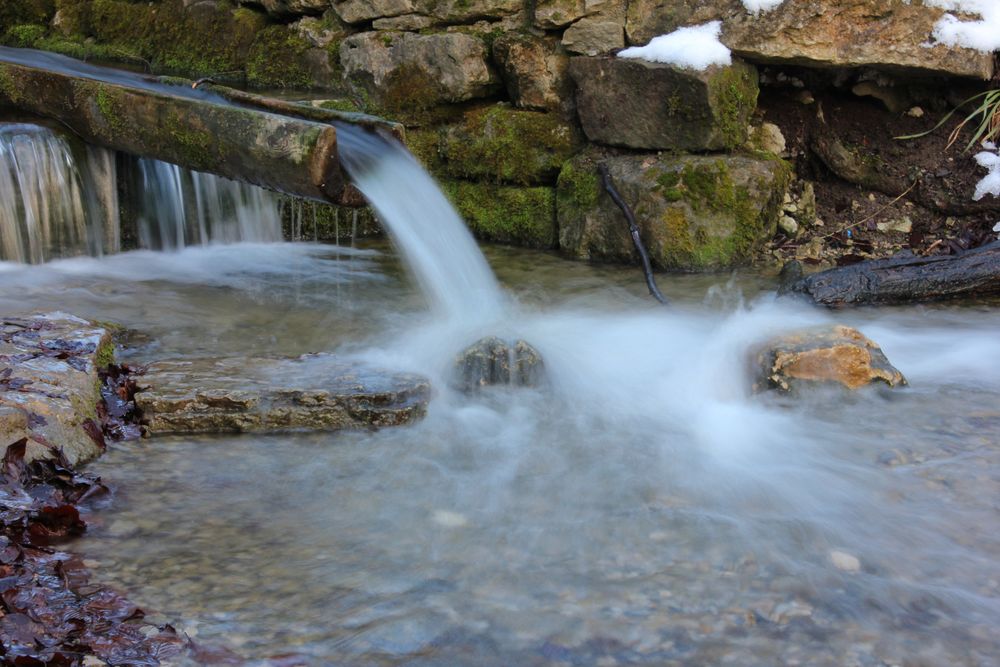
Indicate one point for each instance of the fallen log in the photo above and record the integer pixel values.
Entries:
(906, 279)
(229, 133)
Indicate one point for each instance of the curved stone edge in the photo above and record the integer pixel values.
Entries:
(49, 384)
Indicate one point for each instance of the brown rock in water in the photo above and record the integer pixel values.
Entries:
(49, 385)
(639, 104)
(492, 361)
(824, 355)
(235, 395)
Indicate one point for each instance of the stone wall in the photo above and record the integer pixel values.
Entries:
(506, 101)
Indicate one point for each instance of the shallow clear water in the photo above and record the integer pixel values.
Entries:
(643, 508)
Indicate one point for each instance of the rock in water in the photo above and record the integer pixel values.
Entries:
(492, 361)
(49, 384)
(823, 355)
(314, 392)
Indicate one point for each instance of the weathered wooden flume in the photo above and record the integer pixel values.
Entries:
(276, 144)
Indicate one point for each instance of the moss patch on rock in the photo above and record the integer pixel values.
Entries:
(695, 213)
(504, 145)
(23, 12)
(23, 35)
(735, 90)
(165, 36)
(516, 215)
(277, 59)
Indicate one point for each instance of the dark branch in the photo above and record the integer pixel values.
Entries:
(634, 231)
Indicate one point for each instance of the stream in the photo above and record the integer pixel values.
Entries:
(641, 508)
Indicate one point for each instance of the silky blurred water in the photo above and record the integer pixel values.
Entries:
(642, 508)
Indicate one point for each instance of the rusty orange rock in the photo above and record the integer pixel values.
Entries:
(833, 354)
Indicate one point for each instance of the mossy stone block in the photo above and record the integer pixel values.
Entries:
(695, 213)
(653, 106)
(516, 215)
(500, 144)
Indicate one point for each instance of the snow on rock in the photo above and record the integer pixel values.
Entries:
(758, 6)
(990, 185)
(694, 47)
(982, 35)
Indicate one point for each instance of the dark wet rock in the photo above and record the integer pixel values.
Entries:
(906, 278)
(49, 384)
(493, 361)
(834, 354)
(639, 104)
(238, 394)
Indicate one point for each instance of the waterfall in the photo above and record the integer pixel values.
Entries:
(55, 202)
(425, 228)
(179, 208)
(47, 209)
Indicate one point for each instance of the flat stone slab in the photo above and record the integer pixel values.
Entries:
(49, 384)
(313, 392)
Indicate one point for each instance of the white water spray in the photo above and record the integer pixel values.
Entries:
(425, 228)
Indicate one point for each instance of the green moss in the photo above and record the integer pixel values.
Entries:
(277, 59)
(111, 106)
(578, 188)
(505, 145)
(105, 354)
(410, 88)
(23, 35)
(425, 144)
(18, 12)
(735, 91)
(77, 48)
(195, 144)
(8, 86)
(341, 104)
(679, 248)
(303, 220)
(212, 41)
(520, 216)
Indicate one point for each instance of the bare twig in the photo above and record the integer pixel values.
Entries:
(634, 231)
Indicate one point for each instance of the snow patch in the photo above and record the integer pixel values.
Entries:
(758, 6)
(982, 35)
(990, 160)
(694, 47)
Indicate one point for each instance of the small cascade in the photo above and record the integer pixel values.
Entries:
(424, 226)
(179, 208)
(62, 200)
(49, 209)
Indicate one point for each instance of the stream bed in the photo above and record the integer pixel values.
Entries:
(641, 508)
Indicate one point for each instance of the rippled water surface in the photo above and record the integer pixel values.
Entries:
(642, 508)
